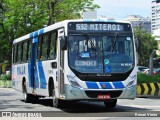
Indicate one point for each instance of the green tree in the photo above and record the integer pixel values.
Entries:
(145, 44)
(68, 9)
(20, 17)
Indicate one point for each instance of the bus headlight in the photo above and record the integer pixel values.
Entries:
(133, 78)
(72, 81)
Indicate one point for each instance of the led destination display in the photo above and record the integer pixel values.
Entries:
(99, 27)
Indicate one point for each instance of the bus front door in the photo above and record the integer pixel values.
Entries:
(60, 65)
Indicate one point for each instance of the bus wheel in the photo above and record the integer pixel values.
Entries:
(110, 103)
(27, 97)
(56, 101)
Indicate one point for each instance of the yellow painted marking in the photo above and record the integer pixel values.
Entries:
(145, 89)
(153, 88)
(159, 89)
(138, 90)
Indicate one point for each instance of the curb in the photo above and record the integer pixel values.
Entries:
(148, 89)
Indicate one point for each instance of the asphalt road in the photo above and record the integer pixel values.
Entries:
(12, 101)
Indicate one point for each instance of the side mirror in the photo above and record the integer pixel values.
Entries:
(63, 43)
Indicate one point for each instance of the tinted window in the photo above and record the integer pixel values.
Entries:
(19, 55)
(52, 45)
(47, 46)
(24, 56)
(29, 50)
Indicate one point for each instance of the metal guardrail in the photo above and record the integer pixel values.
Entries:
(5, 83)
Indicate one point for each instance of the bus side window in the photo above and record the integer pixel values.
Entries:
(14, 53)
(48, 45)
(28, 50)
(24, 55)
(52, 50)
(22, 52)
(40, 48)
(19, 55)
(44, 47)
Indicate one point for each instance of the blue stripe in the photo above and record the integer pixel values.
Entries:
(36, 75)
(35, 33)
(31, 67)
(29, 74)
(42, 76)
(35, 40)
(31, 35)
(118, 85)
(92, 85)
(41, 31)
(29, 77)
(105, 85)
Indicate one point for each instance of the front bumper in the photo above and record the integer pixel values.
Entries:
(75, 93)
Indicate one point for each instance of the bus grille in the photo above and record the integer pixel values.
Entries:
(94, 94)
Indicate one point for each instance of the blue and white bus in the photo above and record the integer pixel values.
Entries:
(77, 60)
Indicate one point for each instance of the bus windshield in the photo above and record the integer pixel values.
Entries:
(93, 53)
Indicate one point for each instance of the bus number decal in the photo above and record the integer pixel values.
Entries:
(50, 71)
(126, 64)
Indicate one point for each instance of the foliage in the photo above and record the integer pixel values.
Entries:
(146, 43)
(5, 77)
(17, 17)
(72, 9)
(4, 47)
(20, 17)
(144, 78)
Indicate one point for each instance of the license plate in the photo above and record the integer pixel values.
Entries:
(103, 97)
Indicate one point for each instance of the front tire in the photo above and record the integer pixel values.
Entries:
(56, 102)
(110, 103)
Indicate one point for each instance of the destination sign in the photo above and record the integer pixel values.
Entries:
(109, 27)
(99, 26)
(85, 63)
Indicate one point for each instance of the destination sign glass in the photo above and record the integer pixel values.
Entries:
(97, 26)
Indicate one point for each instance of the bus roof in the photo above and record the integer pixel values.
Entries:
(61, 25)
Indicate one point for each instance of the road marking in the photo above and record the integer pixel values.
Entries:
(143, 106)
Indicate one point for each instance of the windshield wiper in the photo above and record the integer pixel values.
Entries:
(113, 45)
(93, 47)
